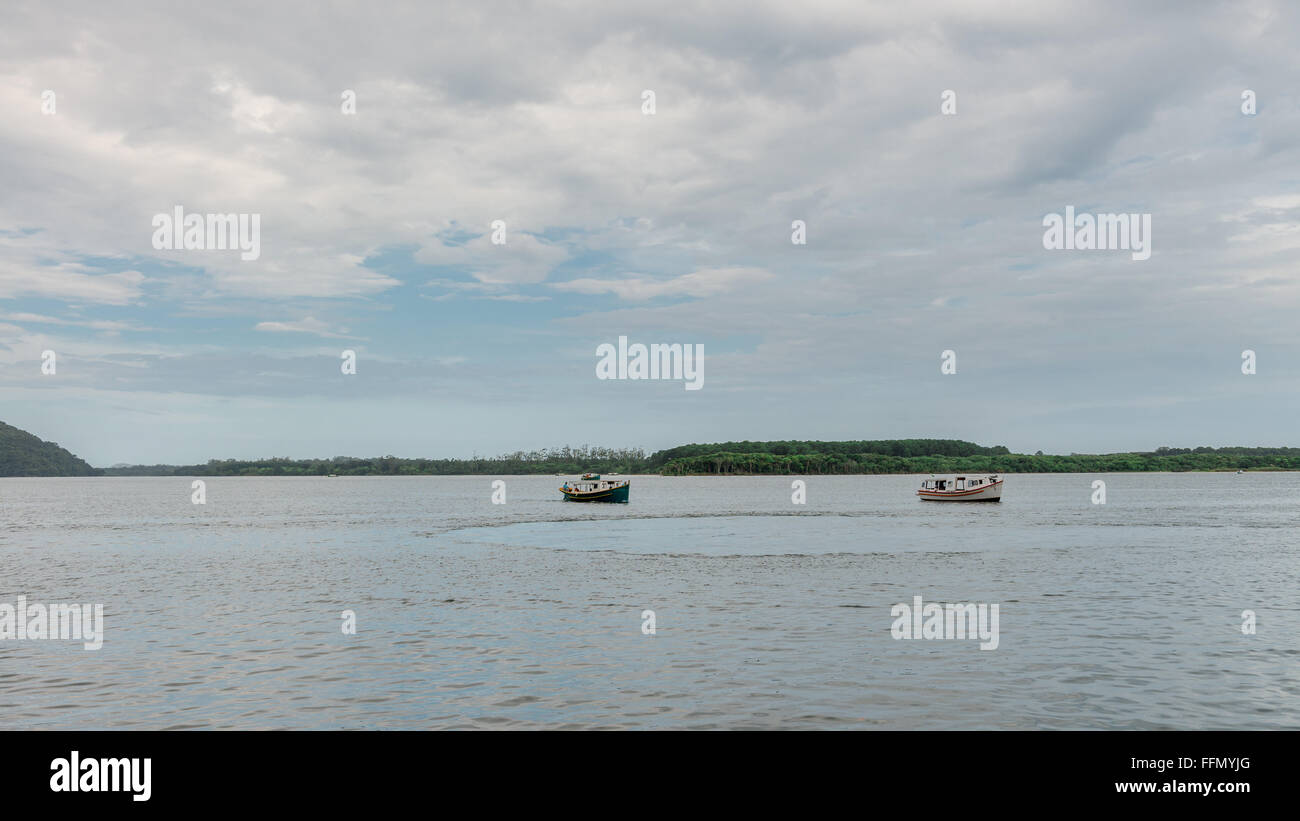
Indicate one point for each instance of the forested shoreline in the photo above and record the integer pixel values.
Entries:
(22, 454)
(1198, 459)
(755, 458)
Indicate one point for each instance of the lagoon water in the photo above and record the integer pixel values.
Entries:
(768, 614)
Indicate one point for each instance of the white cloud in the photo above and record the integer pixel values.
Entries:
(70, 282)
(307, 325)
(522, 259)
(702, 283)
(766, 113)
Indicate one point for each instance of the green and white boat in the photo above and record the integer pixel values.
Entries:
(592, 488)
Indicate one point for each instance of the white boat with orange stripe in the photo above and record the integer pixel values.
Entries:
(983, 488)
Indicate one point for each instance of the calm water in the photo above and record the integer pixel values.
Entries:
(769, 614)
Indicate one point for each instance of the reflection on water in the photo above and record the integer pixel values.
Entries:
(769, 614)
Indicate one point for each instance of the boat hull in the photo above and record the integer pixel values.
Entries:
(985, 493)
(619, 493)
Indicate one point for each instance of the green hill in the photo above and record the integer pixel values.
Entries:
(818, 453)
(22, 454)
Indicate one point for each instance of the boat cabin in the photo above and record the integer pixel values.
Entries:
(951, 483)
(592, 482)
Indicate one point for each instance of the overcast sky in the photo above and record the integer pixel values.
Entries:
(924, 229)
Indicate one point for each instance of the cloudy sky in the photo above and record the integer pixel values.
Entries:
(924, 230)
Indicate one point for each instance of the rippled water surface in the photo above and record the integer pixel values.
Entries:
(769, 614)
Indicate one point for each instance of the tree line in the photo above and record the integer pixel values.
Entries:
(798, 457)
(566, 460)
(724, 462)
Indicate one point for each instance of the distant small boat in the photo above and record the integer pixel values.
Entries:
(592, 488)
(984, 488)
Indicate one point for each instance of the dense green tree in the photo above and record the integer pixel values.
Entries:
(22, 454)
(730, 458)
